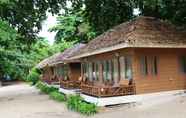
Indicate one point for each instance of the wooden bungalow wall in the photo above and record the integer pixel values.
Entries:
(109, 56)
(169, 75)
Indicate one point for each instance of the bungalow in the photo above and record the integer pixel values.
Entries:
(58, 69)
(144, 55)
(47, 72)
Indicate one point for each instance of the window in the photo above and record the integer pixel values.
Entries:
(96, 70)
(147, 63)
(144, 65)
(83, 65)
(122, 67)
(107, 70)
(85, 69)
(125, 67)
(154, 68)
(104, 70)
(128, 67)
(65, 71)
(115, 69)
(60, 71)
(183, 64)
(90, 71)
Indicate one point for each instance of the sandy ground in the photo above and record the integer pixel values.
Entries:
(24, 101)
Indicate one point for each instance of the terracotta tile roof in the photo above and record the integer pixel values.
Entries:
(61, 57)
(139, 32)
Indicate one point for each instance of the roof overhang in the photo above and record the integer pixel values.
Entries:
(122, 46)
(65, 62)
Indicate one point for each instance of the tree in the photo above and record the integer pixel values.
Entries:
(73, 27)
(104, 14)
(10, 50)
(171, 10)
(27, 15)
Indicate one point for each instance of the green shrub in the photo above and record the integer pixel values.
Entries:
(33, 76)
(76, 103)
(57, 96)
(44, 88)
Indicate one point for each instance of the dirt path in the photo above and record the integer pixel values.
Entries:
(23, 101)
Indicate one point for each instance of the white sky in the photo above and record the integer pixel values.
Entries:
(51, 21)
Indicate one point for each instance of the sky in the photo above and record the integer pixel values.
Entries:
(48, 23)
(51, 21)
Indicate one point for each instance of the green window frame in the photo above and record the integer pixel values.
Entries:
(96, 70)
(144, 65)
(115, 69)
(182, 62)
(154, 65)
(90, 71)
(107, 70)
(128, 67)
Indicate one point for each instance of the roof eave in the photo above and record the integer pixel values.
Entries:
(122, 46)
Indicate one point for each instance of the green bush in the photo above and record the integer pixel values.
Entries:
(33, 76)
(44, 88)
(76, 103)
(57, 96)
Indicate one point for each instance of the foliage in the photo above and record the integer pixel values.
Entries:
(172, 10)
(74, 102)
(104, 14)
(11, 52)
(44, 88)
(33, 76)
(16, 58)
(57, 96)
(59, 47)
(77, 103)
(73, 27)
(27, 15)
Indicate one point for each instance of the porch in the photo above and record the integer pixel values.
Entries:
(51, 81)
(69, 84)
(69, 87)
(107, 91)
